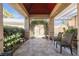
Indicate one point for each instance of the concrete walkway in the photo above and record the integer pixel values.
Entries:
(40, 47)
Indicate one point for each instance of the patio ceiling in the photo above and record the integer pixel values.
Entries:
(39, 8)
(58, 8)
(68, 13)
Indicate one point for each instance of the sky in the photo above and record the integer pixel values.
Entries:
(58, 22)
(18, 18)
(11, 10)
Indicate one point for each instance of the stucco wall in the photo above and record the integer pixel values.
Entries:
(1, 29)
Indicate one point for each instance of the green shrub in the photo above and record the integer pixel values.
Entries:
(73, 30)
(12, 36)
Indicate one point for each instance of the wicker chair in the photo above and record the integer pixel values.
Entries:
(66, 42)
(58, 38)
(74, 42)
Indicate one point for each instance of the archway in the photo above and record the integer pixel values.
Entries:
(39, 28)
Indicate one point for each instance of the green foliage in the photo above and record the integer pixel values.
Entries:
(12, 35)
(71, 30)
(33, 23)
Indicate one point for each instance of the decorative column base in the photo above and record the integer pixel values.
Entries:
(26, 35)
(1, 45)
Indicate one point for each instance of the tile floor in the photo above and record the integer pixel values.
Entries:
(40, 47)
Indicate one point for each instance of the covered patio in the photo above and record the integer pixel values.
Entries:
(41, 24)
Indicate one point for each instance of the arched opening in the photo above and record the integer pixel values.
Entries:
(39, 29)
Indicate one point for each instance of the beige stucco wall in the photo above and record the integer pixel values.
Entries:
(1, 29)
(72, 22)
(78, 26)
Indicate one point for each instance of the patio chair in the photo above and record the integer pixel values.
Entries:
(74, 41)
(58, 38)
(66, 42)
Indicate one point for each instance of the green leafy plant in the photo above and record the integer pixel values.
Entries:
(12, 35)
(71, 30)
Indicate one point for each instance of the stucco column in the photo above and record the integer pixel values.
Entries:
(27, 33)
(1, 28)
(78, 26)
(51, 28)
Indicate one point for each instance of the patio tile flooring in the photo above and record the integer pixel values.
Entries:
(40, 47)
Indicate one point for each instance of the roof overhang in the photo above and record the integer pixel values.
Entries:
(58, 8)
(68, 12)
(20, 8)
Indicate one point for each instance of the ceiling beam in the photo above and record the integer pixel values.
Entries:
(58, 8)
(39, 16)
